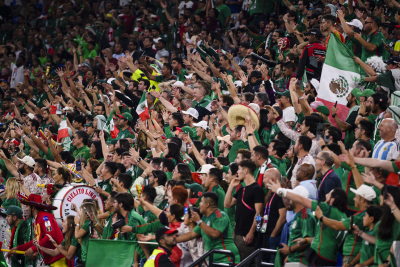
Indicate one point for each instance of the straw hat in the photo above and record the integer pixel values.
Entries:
(237, 115)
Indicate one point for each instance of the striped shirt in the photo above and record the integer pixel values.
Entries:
(386, 150)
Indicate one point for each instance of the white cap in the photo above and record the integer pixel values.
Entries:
(365, 191)
(31, 116)
(206, 168)
(356, 23)
(178, 84)
(110, 80)
(255, 107)
(202, 124)
(189, 76)
(301, 191)
(315, 84)
(226, 139)
(28, 161)
(192, 112)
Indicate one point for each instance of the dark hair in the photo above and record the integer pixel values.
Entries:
(41, 163)
(99, 151)
(330, 18)
(306, 142)
(146, 82)
(312, 122)
(248, 164)
(124, 143)
(217, 174)
(126, 179)
(67, 157)
(246, 154)
(126, 199)
(35, 124)
(335, 133)
(249, 97)
(340, 201)
(169, 164)
(179, 118)
(381, 100)
(80, 119)
(234, 168)
(263, 97)
(280, 147)
(228, 100)
(177, 210)
(83, 135)
(335, 148)
(111, 166)
(174, 152)
(262, 151)
(289, 65)
(367, 126)
(292, 13)
(161, 176)
(363, 143)
(150, 193)
(376, 20)
(374, 211)
(120, 168)
(184, 170)
(387, 220)
(213, 198)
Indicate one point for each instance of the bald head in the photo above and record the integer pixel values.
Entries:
(272, 174)
(305, 172)
(387, 129)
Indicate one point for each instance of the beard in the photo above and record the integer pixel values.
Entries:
(22, 170)
(349, 104)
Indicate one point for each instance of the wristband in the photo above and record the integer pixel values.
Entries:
(139, 160)
(394, 209)
(360, 233)
(199, 222)
(153, 149)
(95, 224)
(320, 219)
(145, 174)
(250, 134)
(281, 192)
(77, 224)
(290, 251)
(180, 100)
(308, 241)
(322, 147)
(333, 115)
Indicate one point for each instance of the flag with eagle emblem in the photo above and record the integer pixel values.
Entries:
(142, 109)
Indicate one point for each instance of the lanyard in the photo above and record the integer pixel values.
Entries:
(323, 179)
(244, 203)
(269, 205)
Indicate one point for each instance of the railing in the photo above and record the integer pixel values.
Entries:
(259, 252)
(210, 254)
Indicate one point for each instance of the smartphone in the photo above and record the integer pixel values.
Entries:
(298, 83)
(351, 222)
(335, 104)
(385, 193)
(320, 130)
(210, 160)
(189, 213)
(78, 164)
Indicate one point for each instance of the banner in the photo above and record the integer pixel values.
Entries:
(106, 253)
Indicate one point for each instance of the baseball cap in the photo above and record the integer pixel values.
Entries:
(28, 161)
(393, 60)
(315, 84)
(192, 112)
(301, 191)
(357, 93)
(178, 84)
(14, 210)
(126, 116)
(87, 64)
(365, 191)
(314, 31)
(202, 124)
(164, 231)
(323, 109)
(226, 139)
(285, 94)
(255, 107)
(112, 142)
(368, 92)
(356, 23)
(206, 168)
(256, 74)
(90, 124)
(185, 129)
(195, 187)
(31, 116)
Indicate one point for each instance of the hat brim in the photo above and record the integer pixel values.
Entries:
(170, 232)
(38, 205)
(237, 115)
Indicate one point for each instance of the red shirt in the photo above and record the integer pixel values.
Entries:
(45, 223)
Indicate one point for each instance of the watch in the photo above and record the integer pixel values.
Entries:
(320, 219)
(199, 222)
(139, 159)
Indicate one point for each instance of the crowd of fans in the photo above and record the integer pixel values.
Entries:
(199, 125)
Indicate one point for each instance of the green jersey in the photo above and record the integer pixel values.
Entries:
(74, 243)
(268, 134)
(238, 144)
(303, 225)
(382, 246)
(376, 39)
(221, 195)
(127, 133)
(84, 152)
(347, 180)
(85, 240)
(219, 221)
(326, 241)
(21, 236)
(352, 242)
(106, 186)
(108, 230)
(367, 249)
(231, 212)
(10, 201)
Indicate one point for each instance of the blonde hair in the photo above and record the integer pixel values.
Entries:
(12, 187)
(90, 207)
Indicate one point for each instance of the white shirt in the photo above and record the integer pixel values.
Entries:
(118, 56)
(17, 75)
(307, 159)
(386, 150)
(289, 114)
(182, 5)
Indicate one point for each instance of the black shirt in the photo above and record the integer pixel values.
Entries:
(330, 182)
(276, 205)
(164, 259)
(245, 208)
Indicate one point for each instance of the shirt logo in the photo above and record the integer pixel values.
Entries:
(294, 224)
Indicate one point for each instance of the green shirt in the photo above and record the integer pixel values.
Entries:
(326, 241)
(352, 242)
(108, 230)
(302, 226)
(21, 237)
(224, 12)
(367, 249)
(181, 76)
(231, 212)
(106, 186)
(219, 221)
(221, 195)
(354, 45)
(84, 152)
(382, 246)
(85, 240)
(376, 39)
(133, 219)
(238, 144)
(10, 201)
(74, 243)
(347, 180)
(349, 138)
(268, 134)
(127, 133)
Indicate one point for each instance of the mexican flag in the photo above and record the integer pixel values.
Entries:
(102, 252)
(338, 72)
(110, 126)
(142, 109)
(63, 130)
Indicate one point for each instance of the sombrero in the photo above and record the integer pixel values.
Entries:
(237, 115)
(34, 200)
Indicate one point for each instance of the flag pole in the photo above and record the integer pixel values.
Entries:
(16, 251)
(149, 243)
